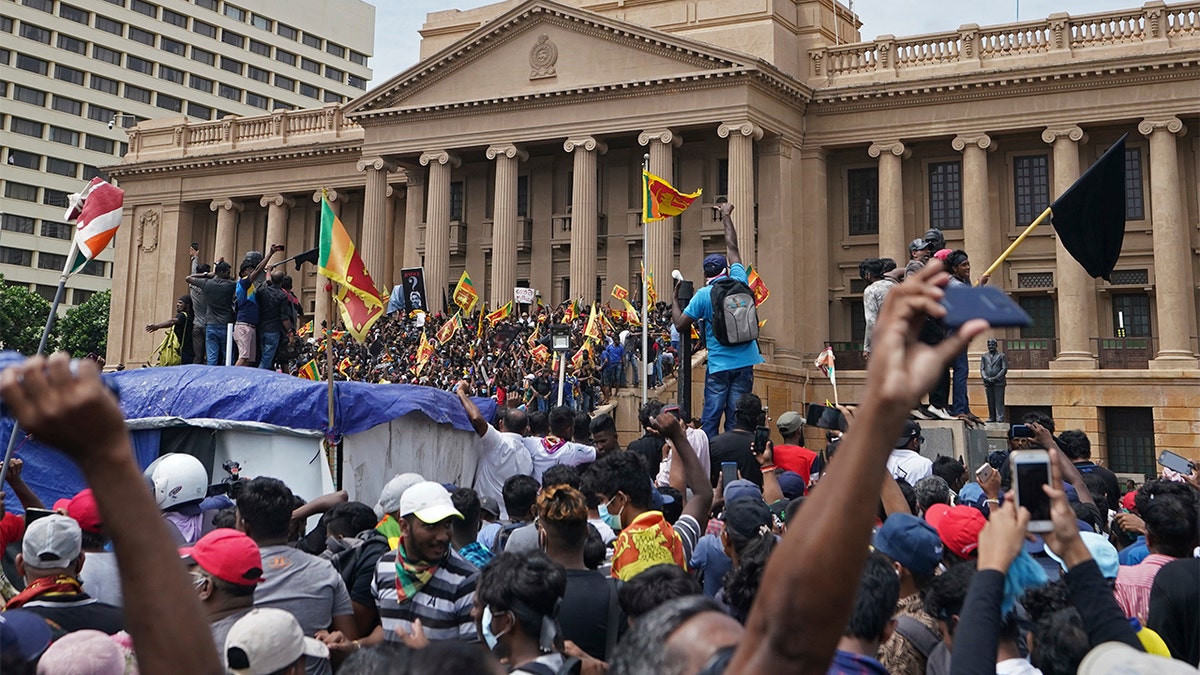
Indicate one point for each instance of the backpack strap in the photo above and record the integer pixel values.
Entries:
(918, 634)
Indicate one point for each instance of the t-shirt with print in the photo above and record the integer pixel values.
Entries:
(722, 357)
(247, 301)
(306, 586)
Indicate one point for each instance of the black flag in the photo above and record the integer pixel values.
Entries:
(1090, 216)
(309, 256)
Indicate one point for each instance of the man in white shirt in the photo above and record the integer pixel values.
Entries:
(696, 437)
(502, 453)
(905, 461)
(556, 448)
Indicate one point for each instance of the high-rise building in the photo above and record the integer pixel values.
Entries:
(74, 75)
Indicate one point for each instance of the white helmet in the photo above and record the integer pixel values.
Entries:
(176, 478)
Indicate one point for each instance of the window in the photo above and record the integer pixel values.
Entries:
(93, 268)
(256, 100)
(109, 26)
(200, 83)
(172, 46)
(64, 136)
(201, 56)
(90, 172)
(66, 74)
(99, 144)
(67, 105)
(1130, 435)
(138, 65)
(11, 223)
(73, 13)
(1031, 187)
(231, 65)
(360, 59)
(260, 22)
(46, 291)
(358, 82)
(62, 167)
(207, 4)
(200, 111)
(260, 48)
(285, 82)
(285, 57)
(20, 125)
(25, 160)
(285, 31)
(80, 295)
(143, 36)
(54, 198)
(170, 74)
(1131, 310)
(35, 33)
(44, 5)
(15, 256)
(168, 102)
(33, 65)
(235, 13)
(51, 261)
(231, 38)
(456, 200)
(4, 53)
(332, 97)
(70, 44)
(310, 65)
(174, 18)
(104, 84)
(945, 195)
(143, 7)
(335, 49)
(26, 193)
(137, 94)
(1041, 309)
(28, 95)
(107, 55)
(57, 230)
(231, 93)
(100, 113)
(309, 90)
(6, 24)
(863, 190)
(523, 196)
(311, 40)
(1135, 203)
(118, 3)
(257, 74)
(334, 74)
(282, 105)
(205, 29)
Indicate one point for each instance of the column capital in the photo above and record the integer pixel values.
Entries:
(413, 177)
(376, 163)
(441, 157)
(226, 203)
(1073, 133)
(393, 192)
(777, 145)
(335, 196)
(896, 147)
(981, 141)
(744, 127)
(589, 143)
(664, 136)
(1171, 124)
(276, 199)
(509, 150)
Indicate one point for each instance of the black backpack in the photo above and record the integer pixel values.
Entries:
(735, 317)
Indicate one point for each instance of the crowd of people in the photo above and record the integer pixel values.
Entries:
(572, 550)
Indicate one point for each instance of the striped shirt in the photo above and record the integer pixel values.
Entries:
(1134, 583)
(443, 605)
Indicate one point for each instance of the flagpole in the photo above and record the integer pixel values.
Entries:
(645, 285)
(1013, 246)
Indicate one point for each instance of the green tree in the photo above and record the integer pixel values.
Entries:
(84, 329)
(22, 318)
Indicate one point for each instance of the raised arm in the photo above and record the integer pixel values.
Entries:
(262, 264)
(197, 279)
(26, 496)
(731, 241)
(477, 421)
(700, 504)
(682, 321)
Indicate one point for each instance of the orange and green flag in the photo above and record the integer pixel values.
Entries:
(465, 295)
(503, 313)
(309, 371)
(757, 286)
(660, 200)
(338, 260)
(448, 329)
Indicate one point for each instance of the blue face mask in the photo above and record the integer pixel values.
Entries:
(489, 638)
(613, 520)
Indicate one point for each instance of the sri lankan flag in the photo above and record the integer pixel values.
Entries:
(619, 292)
(533, 337)
(630, 314)
(660, 200)
(592, 329)
(540, 353)
(309, 371)
(448, 329)
(465, 295)
(344, 366)
(305, 330)
(651, 294)
(503, 313)
(358, 298)
(757, 286)
(424, 351)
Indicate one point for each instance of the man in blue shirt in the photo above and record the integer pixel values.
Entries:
(730, 371)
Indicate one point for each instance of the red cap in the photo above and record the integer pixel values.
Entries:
(82, 507)
(1127, 501)
(959, 529)
(935, 513)
(228, 555)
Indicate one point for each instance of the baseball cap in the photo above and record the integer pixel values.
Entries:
(23, 635)
(428, 501)
(85, 651)
(82, 507)
(228, 555)
(1103, 552)
(791, 484)
(748, 517)
(958, 527)
(933, 234)
(490, 506)
(911, 431)
(1127, 502)
(389, 498)
(972, 494)
(1117, 657)
(917, 245)
(267, 640)
(742, 488)
(911, 542)
(790, 422)
(658, 499)
(51, 542)
(714, 264)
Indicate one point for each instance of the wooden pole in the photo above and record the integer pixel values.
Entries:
(1013, 246)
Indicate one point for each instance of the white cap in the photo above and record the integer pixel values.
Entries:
(389, 499)
(1119, 658)
(51, 542)
(428, 501)
(268, 640)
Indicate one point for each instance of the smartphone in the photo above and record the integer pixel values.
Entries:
(984, 473)
(34, 514)
(825, 417)
(1032, 470)
(729, 472)
(761, 435)
(1022, 431)
(1175, 462)
(964, 303)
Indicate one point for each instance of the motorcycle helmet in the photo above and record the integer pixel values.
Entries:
(176, 478)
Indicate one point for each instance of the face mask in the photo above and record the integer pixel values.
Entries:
(334, 545)
(489, 638)
(613, 520)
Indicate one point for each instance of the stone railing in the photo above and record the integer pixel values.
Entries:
(971, 47)
(180, 137)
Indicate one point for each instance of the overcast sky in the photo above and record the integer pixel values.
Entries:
(397, 42)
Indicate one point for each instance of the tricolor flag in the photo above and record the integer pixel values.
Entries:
(448, 329)
(359, 300)
(424, 351)
(98, 210)
(577, 358)
(619, 292)
(305, 330)
(503, 313)
(631, 314)
(309, 371)
(533, 337)
(540, 353)
(757, 286)
(651, 294)
(344, 365)
(592, 329)
(465, 295)
(660, 200)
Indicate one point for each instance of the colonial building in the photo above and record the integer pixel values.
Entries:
(513, 150)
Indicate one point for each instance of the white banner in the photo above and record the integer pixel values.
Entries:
(524, 296)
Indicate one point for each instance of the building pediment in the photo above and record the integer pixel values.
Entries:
(541, 47)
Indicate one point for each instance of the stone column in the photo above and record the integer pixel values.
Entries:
(228, 211)
(504, 222)
(1076, 290)
(393, 245)
(978, 239)
(584, 208)
(810, 281)
(277, 219)
(437, 226)
(322, 300)
(660, 236)
(892, 239)
(1175, 294)
(779, 176)
(372, 244)
(742, 136)
(414, 216)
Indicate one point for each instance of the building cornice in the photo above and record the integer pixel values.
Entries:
(218, 163)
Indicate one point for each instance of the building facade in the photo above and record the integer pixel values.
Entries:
(513, 150)
(74, 75)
